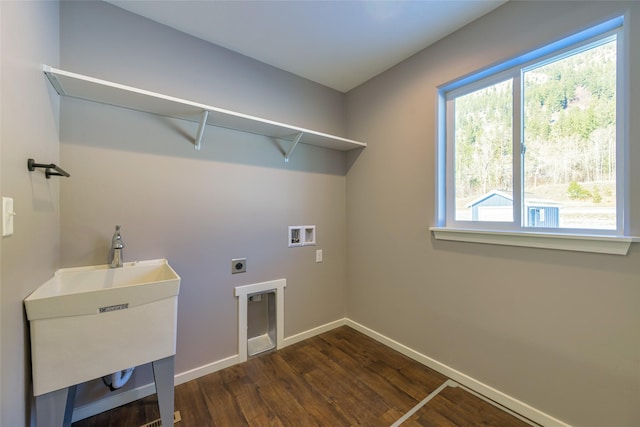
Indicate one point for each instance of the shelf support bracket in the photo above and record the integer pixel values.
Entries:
(295, 143)
(203, 123)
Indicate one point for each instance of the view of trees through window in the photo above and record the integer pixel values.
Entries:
(568, 110)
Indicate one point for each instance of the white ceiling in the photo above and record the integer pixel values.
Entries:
(339, 43)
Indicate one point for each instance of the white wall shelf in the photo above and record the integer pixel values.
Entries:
(88, 88)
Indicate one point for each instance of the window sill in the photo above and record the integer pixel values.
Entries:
(615, 245)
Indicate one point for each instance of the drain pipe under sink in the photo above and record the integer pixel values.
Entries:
(117, 379)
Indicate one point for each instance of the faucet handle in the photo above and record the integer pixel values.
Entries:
(115, 254)
(116, 240)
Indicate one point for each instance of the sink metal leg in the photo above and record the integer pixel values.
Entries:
(68, 407)
(49, 412)
(163, 372)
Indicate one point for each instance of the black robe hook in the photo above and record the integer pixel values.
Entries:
(32, 165)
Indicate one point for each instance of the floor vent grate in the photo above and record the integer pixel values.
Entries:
(158, 422)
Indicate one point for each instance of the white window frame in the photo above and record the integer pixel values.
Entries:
(513, 233)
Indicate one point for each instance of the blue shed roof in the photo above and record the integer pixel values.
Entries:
(529, 199)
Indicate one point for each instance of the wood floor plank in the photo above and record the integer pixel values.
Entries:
(190, 395)
(341, 378)
(251, 406)
(455, 406)
(367, 380)
(220, 401)
(283, 403)
(301, 356)
(486, 414)
(267, 421)
(431, 417)
(308, 397)
(415, 380)
(355, 408)
(364, 349)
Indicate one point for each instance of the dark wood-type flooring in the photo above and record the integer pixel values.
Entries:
(339, 378)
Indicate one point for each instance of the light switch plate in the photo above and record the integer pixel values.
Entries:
(7, 216)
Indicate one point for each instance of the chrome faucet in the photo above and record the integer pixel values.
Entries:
(115, 253)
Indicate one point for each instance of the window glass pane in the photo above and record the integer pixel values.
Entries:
(483, 154)
(570, 139)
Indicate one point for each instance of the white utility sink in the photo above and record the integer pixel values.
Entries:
(88, 322)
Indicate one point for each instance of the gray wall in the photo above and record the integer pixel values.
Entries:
(199, 209)
(557, 330)
(28, 128)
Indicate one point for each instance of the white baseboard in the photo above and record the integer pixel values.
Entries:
(207, 369)
(313, 332)
(479, 387)
(497, 396)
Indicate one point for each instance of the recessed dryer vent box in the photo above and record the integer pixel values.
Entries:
(302, 235)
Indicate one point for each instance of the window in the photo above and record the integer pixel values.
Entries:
(536, 145)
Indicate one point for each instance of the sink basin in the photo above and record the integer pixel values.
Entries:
(87, 322)
(86, 290)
